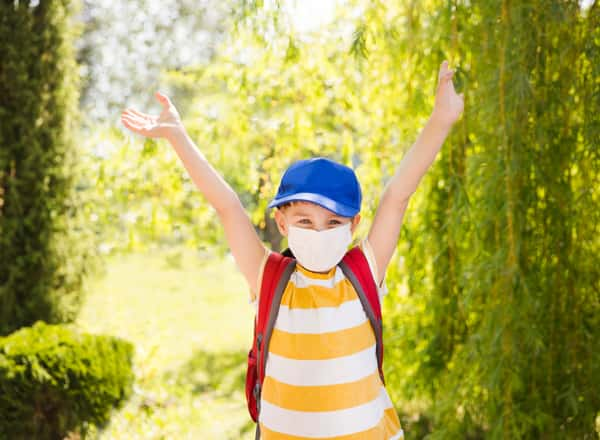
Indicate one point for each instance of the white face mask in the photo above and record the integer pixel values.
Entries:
(319, 251)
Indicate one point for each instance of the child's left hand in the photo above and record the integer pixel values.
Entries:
(448, 104)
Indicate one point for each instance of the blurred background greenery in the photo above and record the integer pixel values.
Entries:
(492, 323)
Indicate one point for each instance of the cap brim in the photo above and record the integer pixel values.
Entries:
(327, 203)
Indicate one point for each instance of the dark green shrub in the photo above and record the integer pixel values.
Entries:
(46, 246)
(54, 380)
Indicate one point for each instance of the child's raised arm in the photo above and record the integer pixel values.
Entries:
(245, 245)
(384, 232)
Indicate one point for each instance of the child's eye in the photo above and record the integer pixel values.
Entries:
(304, 221)
(335, 222)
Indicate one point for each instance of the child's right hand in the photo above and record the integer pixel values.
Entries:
(246, 246)
(164, 125)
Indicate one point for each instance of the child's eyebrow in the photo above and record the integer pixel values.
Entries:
(306, 214)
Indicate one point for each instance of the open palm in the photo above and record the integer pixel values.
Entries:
(448, 104)
(161, 126)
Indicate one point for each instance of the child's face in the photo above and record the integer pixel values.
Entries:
(311, 216)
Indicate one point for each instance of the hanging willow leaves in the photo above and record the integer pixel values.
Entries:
(492, 323)
(506, 340)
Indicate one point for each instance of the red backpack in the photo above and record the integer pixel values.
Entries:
(277, 272)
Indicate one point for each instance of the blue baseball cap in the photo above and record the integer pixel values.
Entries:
(322, 181)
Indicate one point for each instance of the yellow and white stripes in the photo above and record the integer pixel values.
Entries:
(375, 419)
(321, 378)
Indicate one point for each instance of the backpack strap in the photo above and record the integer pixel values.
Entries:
(356, 268)
(276, 274)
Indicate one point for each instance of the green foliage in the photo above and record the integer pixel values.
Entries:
(54, 380)
(492, 323)
(137, 196)
(256, 110)
(189, 378)
(493, 331)
(498, 333)
(45, 249)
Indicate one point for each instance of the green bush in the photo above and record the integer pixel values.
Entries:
(54, 380)
(46, 245)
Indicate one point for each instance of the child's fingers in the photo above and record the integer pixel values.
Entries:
(134, 117)
(141, 115)
(127, 112)
(443, 69)
(445, 73)
(447, 77)
(163, 99)
(130, 122)
(135, 126)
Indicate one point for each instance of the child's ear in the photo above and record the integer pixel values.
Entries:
(281, 223)
(354, 223)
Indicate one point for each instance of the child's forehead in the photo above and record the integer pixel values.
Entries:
(304, 207)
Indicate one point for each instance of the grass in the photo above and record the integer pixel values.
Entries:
(191, 323)
(189, 318)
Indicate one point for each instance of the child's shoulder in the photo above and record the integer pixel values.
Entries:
(253, 294)
(364, 246)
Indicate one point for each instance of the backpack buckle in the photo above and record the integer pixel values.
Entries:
(256, 392)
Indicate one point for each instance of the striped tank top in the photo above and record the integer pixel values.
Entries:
(321, 378)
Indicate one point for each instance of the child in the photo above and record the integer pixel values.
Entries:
(321, 377)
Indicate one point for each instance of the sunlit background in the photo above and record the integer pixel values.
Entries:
(493, 317)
